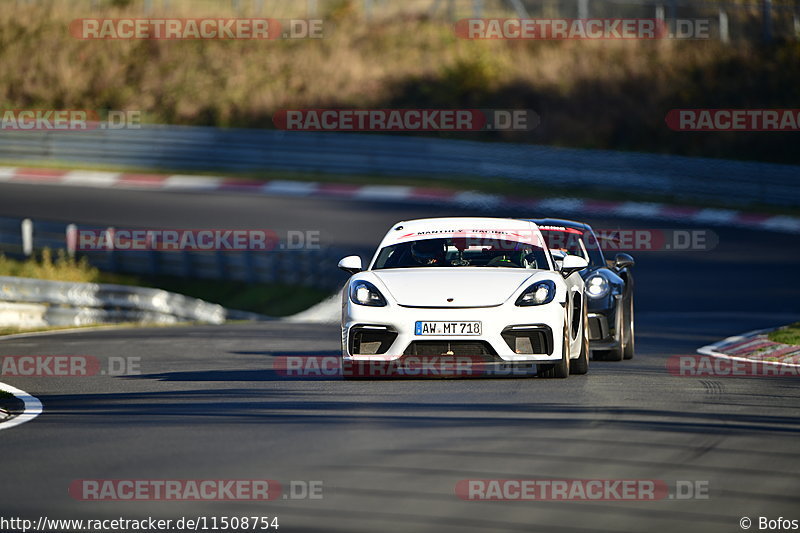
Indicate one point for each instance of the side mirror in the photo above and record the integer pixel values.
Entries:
(351, 264)
(623, 261)
(572, 264)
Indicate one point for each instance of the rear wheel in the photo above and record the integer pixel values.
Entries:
(581, 364)
(560, 369)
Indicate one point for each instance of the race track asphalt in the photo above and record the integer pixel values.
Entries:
(209, 405)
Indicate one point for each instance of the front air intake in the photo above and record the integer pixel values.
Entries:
(371, 340)
(529, 340)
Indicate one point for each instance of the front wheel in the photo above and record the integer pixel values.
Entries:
(618, 351)
(581, 364)
(630, 345)
(558, 370)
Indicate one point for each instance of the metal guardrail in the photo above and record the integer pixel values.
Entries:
(119, 297)
(310, 268)
(201, 148)
(67, 303)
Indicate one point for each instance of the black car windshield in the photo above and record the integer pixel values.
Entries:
(462, 252)
(575, 242)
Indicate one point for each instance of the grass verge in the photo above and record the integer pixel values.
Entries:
(786, 335)
(14, 330)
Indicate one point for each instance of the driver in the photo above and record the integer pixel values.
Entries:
(429, 252)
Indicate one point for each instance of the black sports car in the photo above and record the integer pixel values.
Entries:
(609, 287)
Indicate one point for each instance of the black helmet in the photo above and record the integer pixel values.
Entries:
(429, 251)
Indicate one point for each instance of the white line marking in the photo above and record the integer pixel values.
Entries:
(477, 200)
(7, 173)
(782, 223)
(562, 204)
(33, 407)
(715, 216)
(294, 188)
(180, 181)
(383, 192)
(90, 178)
(638, 209)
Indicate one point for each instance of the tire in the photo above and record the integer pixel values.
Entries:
(558, 370)
(618, 352)
(581, 364)
(630, 345)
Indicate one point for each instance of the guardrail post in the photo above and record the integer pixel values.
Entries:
(110, 248)
(659, 16)
(27, 237)
(583, 9)
(796, 21)
(519, 8)
(724, 34)
(477, 8)
(71, 240)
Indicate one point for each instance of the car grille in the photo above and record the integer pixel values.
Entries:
(529, 340)
(436, 348)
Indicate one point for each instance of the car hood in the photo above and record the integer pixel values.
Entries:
(467, 287)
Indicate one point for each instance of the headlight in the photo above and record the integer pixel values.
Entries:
(597, 286)
(540, 293)
(365, 293)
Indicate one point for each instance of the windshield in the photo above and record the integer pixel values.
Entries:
(462, 252)
(575, 242)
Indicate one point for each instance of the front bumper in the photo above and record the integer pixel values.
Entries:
(602, 316)
(388, 333)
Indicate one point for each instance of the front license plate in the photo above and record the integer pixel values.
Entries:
(447, 328)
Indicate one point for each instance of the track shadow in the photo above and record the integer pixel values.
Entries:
(225, 405)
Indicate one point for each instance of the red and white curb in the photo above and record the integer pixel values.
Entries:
(754, 346)
(33, 407)
(401, 194)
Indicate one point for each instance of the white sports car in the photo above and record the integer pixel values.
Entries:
(486, 288)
